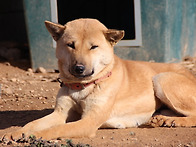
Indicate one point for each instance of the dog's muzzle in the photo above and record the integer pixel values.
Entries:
(79, 71)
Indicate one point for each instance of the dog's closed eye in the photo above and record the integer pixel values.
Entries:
(72, 45)
(93, 47)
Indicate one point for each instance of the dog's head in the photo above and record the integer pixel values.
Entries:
(84, 48)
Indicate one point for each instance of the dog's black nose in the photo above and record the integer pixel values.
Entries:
(79, 68)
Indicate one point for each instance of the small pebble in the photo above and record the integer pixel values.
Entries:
(7, 63)
(30, 70)
(132, 133)
(1, 101)
(41, 70)
(13, 80)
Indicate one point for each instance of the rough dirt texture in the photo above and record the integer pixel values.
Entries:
(26, 96)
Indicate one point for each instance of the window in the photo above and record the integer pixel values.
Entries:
(122, 15)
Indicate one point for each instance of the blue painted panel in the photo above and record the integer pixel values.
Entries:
(40, 41)
(168, 31)
(153, 34)
(188, 39)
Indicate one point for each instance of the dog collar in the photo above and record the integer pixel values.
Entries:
(80, 86)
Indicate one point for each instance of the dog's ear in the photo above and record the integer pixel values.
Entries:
(113, 36)
(56, 30)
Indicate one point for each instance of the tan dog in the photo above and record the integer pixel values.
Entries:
(101, 90)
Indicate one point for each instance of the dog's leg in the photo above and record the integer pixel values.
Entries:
(82, 128)
(94, 116)
(58, 117)
(178, 93)
(96, 110)
(36, 125)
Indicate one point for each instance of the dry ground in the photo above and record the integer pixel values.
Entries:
(26, 96)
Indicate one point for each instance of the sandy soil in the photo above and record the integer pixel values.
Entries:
(26, 96)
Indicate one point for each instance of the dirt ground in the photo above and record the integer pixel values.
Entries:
(26, 96)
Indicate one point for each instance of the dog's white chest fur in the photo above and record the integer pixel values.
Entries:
(79, 95)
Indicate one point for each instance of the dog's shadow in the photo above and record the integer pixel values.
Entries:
(20, 118)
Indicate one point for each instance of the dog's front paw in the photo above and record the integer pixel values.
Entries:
(162, 121)
(14, 136)
(6, 137)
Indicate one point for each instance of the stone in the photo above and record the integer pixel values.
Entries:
(41, 70)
